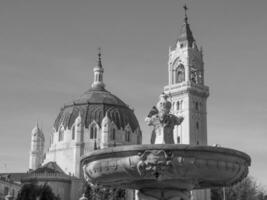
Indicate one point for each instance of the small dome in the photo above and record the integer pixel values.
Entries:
(36, 131)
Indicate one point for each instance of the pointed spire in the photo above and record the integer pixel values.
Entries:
(185, 32)
(99, 58)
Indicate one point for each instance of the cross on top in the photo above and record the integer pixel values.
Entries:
(185, 12)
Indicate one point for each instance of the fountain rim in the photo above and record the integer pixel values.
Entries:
(104, 153)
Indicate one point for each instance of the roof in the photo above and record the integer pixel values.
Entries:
(93, 105)
(186, 34)
(50, 167)
(48, 172)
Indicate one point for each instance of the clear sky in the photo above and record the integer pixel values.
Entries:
(48, 50)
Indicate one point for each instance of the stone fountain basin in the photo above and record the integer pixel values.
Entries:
(171, 166)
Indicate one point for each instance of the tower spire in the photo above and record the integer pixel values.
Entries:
(99, 57)
(186, 35)
(98, 73)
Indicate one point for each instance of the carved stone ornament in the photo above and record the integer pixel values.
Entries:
(154, 163)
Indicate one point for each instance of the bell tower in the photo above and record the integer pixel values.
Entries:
(186, 87)
(188, 92)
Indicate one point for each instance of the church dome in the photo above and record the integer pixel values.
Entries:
(94, 105)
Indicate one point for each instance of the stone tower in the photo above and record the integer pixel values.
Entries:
(186, 88)
(188, 92)
(37, 148)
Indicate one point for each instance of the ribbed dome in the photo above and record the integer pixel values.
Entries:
(93, 105)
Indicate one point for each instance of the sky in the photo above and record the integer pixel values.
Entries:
(48, 50)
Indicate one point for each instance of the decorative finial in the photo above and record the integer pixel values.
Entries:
(99, 57)
(98, 73)
(185, 13)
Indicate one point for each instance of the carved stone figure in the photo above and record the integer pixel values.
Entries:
(162, 121)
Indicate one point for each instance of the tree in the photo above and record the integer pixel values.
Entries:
(97, 192)
(33, 191)
(245, 190)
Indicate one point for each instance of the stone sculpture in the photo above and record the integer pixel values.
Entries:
(162, 121)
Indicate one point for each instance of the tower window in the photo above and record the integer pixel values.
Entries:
(180, 74)
(60, 134)
(93, 132)
(197, 126)
(196, 106)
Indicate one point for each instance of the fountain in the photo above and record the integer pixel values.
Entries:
(164, 170)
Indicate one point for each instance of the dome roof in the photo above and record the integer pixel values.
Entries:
(93, 105)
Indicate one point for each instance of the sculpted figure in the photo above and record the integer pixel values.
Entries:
(162, 121)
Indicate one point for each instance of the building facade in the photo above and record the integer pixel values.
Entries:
(96, 120)
(63, 185)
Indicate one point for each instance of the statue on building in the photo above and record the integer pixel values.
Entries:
(162, 121)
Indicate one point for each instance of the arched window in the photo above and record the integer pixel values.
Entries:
(127, 136)
(178, 140)
(197, 125)
(180, 74)
(61, 134)
(178, 105)
(93, 132)
(196, 106)
(73, 133)
(113, 134)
